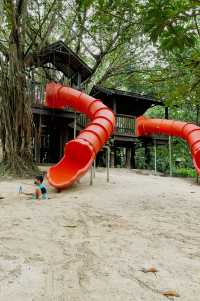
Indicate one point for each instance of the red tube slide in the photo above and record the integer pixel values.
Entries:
(188, 131)
(80, 152)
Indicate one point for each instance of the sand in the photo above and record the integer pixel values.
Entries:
(91, 243)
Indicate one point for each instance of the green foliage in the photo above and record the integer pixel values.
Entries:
(185, 172)
(164, 21)
(173, 27)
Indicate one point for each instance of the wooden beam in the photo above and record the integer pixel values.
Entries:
(170, 156)
(166, 113)
(114, 106)
(52, 112)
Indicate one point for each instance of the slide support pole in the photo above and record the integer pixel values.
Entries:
(94, 167)
(170, 156)
(108, 162)
(91, 175)
(155, 157)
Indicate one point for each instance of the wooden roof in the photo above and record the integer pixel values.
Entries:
(127, 103)
(64, 60)
(70, 64)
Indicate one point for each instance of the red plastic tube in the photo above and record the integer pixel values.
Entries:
(188, 131)
(80, 152)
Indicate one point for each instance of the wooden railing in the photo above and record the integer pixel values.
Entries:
(125, 124)
(82, 120)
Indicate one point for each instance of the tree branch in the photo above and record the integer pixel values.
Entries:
(21, 7)
(81, 31)
(3, 49)
(197, 26)
(48, 32)
(41, 25)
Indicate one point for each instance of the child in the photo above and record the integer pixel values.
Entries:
(41, 190)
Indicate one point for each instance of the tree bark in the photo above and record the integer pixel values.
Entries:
(16, 117)
(15, 109)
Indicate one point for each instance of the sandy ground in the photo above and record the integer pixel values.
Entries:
(91, 243)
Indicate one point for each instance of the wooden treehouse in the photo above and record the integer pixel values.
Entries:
(54, 127)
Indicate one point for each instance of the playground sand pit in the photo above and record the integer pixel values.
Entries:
(96, 243)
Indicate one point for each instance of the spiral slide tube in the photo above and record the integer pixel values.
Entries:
(80, 152)
(188, 131)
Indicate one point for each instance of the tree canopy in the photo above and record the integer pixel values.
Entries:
(150, 47)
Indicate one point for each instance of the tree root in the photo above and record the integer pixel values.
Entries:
(18, 168)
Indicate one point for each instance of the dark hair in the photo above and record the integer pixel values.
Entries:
(39, 178)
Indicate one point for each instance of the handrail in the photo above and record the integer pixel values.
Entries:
(125, 115)
(125, 124)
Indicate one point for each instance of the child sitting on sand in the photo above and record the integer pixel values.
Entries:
(41, 190)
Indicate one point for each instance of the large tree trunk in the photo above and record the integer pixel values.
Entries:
(16, 116)
(15, 108)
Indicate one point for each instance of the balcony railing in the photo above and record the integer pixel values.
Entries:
(125, 124)
(82, 120)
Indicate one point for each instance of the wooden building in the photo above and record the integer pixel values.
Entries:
(54, 127)
(127, 106)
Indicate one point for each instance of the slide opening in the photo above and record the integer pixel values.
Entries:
(78, 157)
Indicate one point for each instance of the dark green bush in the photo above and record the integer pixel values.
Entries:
(185, 172)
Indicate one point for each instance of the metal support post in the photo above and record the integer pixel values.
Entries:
(108, 162)
(94, 168)
(91, 175)
(170, 156)
(155, 156)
